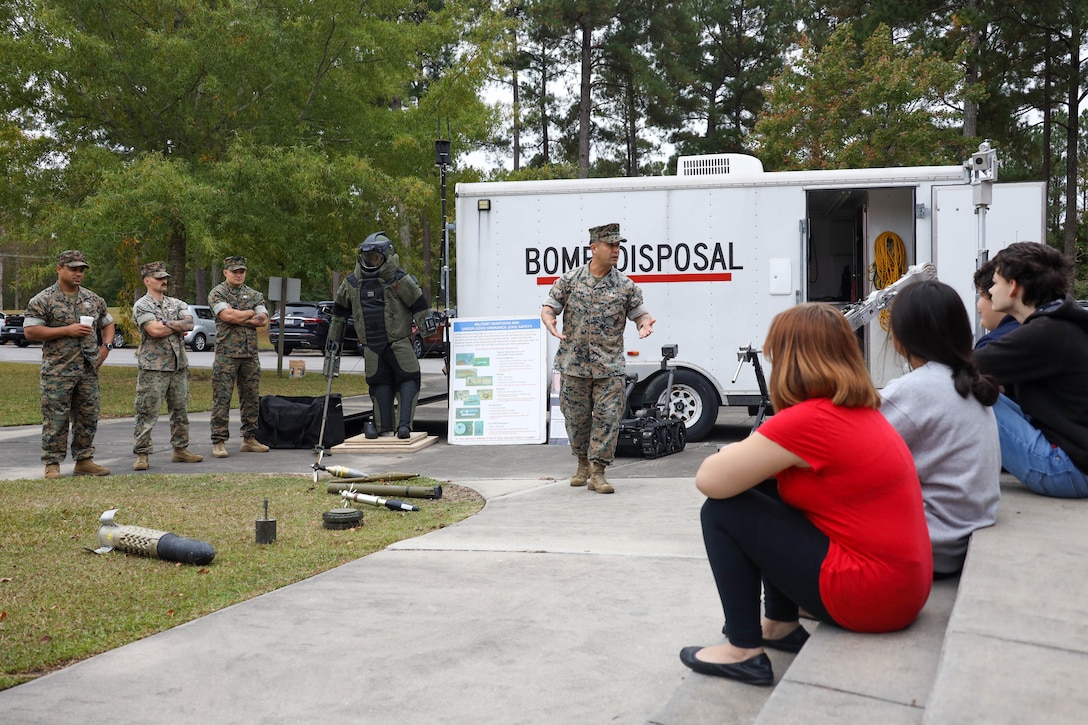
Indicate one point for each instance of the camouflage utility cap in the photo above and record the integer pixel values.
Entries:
(71, 258)
(606, 233)
(232, 263)
(154, 269)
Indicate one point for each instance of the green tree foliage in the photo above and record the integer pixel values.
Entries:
(882, 104)
(284, 130)
(631, 95)
(738, 48)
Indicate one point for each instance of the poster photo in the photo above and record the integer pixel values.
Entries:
(498, 382)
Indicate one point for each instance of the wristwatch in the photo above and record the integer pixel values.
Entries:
(109, 345)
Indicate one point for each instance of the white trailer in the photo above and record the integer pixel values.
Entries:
(720, 252)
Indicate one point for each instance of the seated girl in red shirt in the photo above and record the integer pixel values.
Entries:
(844, 535)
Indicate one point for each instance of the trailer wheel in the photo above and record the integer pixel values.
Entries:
(693, 401)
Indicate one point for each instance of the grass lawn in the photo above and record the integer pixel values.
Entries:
(19, 394)
(60, 603)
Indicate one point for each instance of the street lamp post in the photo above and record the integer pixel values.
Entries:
(442, 160)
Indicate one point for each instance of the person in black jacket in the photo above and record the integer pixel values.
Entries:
(1044, 365)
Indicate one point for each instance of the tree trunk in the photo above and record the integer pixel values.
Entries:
(425, 228)
(517, 108)
(1069, 235)
(176, 262)
(1048, 110)
(200, 286)
(585, 102)
(970, 108)
(545, 156)
(632, 128)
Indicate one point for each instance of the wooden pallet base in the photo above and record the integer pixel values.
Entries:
(385, 444)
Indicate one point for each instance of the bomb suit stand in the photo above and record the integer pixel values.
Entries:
(384, 300)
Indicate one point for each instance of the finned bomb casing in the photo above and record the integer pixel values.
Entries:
(150, 542)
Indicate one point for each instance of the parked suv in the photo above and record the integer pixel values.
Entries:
(306, 325)
(12, 330)
(202, 336)
(433, 344)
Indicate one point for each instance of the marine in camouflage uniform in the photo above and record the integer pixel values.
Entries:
(72, 352)
(596, 300)
(163, 367)
(239, 311)
(384, 300)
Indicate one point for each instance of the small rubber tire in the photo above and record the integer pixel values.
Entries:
(342, 518)
(693, 400)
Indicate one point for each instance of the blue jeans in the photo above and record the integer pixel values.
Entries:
(1028, 455)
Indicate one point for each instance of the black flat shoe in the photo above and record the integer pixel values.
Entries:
(792, 642)
(752, 671)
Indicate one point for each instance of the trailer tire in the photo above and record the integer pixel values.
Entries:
(693, 400)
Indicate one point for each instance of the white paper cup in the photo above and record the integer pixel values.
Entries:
(86, 320)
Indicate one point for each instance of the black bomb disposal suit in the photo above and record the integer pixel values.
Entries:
(383, 300)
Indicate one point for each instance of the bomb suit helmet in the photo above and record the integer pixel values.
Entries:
(373, 252)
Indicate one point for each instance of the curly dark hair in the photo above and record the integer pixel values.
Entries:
(984, 278)
(1043, 272)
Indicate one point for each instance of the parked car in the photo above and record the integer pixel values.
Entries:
(433, 344)
(12, 331)
(202, 336)
(306, 326)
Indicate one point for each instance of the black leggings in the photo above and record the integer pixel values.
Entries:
(756, 537)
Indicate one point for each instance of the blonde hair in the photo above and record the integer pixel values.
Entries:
(814, 354)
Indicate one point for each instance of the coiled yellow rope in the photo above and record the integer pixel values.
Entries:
(889, 264)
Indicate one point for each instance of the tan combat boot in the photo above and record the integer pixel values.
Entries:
(219, 450)
(141, 462)
(252, 445)
(52, 470)
(87, 467)
(182, 455)
(596, 479)
(582, 474)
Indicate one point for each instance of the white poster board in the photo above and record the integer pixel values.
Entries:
(498, 381)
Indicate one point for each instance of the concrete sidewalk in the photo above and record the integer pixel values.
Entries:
(553, 604)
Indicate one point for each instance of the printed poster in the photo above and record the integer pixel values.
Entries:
(498, 382)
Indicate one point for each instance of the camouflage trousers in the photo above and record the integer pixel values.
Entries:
(65, 398)
(593, 408)
(245, 372)
(152, 388)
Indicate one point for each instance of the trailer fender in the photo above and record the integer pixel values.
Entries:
(693, 399)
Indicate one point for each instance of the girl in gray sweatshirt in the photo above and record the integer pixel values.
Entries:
(942, 408)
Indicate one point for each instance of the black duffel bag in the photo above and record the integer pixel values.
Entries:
(295, 421)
